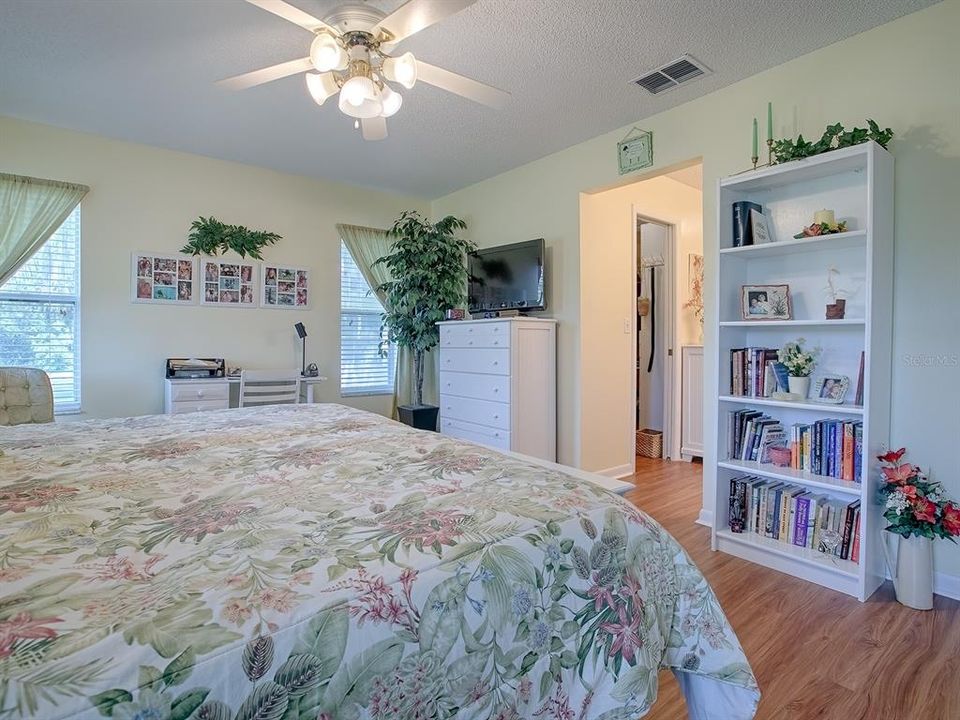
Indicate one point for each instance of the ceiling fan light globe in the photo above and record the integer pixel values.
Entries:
(360, 99)
(391, 102)
(321, 87)
(326, 53)
(402, 70)
(358, 90)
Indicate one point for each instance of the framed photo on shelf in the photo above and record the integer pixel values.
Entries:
(765, 302)
(229, 283)
(830, 389)
(160, 278)
(285, 287)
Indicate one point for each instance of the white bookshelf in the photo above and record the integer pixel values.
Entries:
(857, 183)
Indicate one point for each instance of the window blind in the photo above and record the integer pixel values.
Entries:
(367, 361)
(39, 314)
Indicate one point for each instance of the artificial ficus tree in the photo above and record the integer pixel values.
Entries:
(429, 271)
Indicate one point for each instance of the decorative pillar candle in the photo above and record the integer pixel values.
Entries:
(824, 217)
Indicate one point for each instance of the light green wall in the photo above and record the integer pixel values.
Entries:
(906, 75)
(144, 198)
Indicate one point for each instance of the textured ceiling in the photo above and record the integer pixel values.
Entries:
(144, 70)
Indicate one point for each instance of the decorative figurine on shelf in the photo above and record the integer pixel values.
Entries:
(824, 223)
(836, 296)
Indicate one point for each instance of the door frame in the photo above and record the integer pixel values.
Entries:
(670, 360)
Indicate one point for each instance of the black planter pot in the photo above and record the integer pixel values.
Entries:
(421, 417)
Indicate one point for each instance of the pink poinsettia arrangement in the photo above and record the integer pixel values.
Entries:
(913, 504)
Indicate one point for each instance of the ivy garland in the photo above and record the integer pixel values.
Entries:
(833, 138)
(209, 236)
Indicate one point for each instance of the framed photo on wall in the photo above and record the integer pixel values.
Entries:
(285, 287)
(228, 283)
(161, 278)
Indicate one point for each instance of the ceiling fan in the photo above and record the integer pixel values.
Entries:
(352, 54)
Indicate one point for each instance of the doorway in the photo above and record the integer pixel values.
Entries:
(611, 353)
(654, 337)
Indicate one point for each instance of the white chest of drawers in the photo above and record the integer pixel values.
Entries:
(181, 396)
(498, 383)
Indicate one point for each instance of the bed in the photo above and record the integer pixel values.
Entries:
(316, 561)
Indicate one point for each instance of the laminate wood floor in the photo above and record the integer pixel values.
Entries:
(816, 653)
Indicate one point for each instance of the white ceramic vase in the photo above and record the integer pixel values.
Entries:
(799, 386)
(912, 570)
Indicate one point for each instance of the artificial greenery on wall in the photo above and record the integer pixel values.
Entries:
(209, 236)
(834, 137)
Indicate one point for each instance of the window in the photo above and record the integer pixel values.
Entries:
(367, 361)
(40, 314)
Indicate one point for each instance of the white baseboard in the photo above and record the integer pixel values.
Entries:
(946, 585)
(705, 518)
(618, 471)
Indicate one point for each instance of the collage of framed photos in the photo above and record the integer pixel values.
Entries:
(159, 278)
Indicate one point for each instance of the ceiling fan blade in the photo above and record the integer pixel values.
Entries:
(374, 128)
(295, 15)
(461, 85)
(267, 74)
(415, 15)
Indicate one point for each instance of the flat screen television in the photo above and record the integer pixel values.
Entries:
(507, 277)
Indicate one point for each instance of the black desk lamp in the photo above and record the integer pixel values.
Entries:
(302, 334)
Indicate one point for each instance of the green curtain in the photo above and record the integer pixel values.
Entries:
(366, 246)
(31, 210)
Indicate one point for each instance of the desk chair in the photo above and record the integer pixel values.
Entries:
(269, 387)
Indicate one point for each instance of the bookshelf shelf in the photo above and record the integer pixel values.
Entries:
(837, 241)
(797, 477)
(824, 408)
(857, 183)
(845, 323)
(804, 555)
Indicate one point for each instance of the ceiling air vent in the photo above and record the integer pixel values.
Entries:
(671, 75)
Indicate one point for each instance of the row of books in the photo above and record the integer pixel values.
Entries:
(756, 372)
(831, 448)
(795, 516)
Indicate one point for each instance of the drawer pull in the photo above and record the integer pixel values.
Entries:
(496, 390)
(199, 393)
(496, 417)
(496, 362)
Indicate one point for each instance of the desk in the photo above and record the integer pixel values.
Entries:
(199, 394)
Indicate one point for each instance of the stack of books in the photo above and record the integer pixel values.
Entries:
(831, 448)
(795, 516)
(755, 372)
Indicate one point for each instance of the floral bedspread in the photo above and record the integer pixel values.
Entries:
(316, 561)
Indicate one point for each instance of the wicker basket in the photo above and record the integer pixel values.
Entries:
(650, 443)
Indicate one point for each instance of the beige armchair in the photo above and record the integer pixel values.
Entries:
(25, 396)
